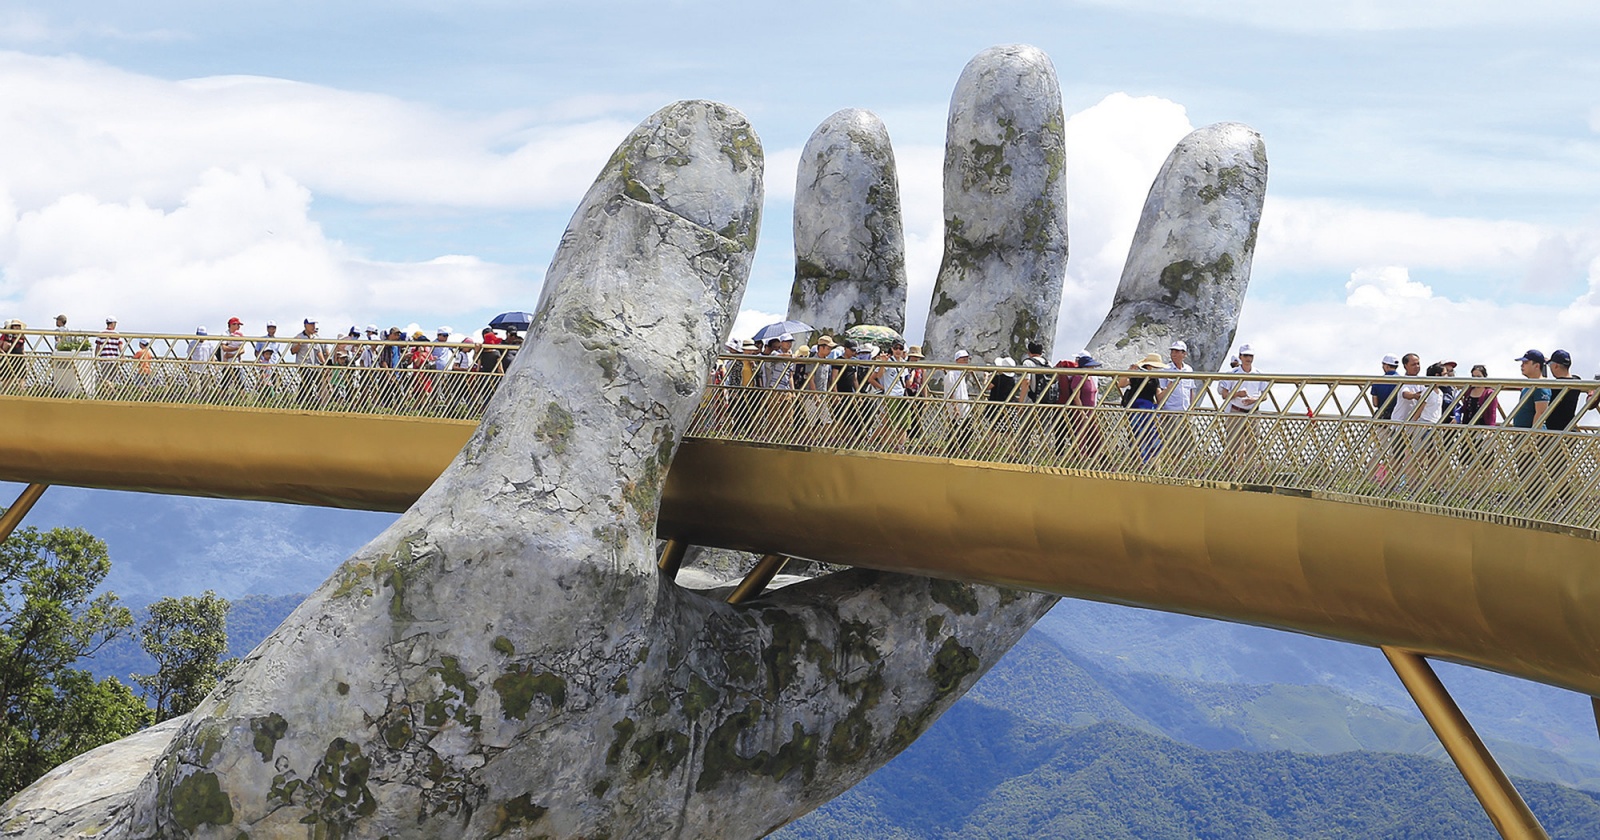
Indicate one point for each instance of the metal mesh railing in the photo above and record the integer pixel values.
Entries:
(1313, 434)
(350, 376)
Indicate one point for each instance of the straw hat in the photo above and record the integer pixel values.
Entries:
(914, 351)
(1151, 361)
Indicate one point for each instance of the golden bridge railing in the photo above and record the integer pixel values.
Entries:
(186, 370)
(1313, 434)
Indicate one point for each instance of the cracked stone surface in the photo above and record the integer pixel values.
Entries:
(1189, 265)
(849, 248)
(1005, 209)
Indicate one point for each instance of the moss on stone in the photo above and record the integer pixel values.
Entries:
(931, 627)
(517, 813)
(398, 732)
(1229, 178)
(339, 786)
(698, 697)
(1185, 279)
(503, 646)
(951, 665)
(660, 752)
(721, 759)
(625, 729)
(517, 689)
(957, 597)
(944, 304)
(555, 428)
(852, 737)
(267, 731)
(198, 800)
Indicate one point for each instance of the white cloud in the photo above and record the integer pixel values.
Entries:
(72, 125)
(1369, 15)
(237, 243)
(1385, 289)
(1299, 234)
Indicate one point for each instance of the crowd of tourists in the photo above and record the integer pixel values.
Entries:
(312, 367)
(1154, 389)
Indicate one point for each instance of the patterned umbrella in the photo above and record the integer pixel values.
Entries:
(872, 332)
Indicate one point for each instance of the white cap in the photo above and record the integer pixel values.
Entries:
(372, 328)
(962, 354)
(446, 330)
(1179, 345)
(200, 331)
(111, 319)
(272, 323)
(1390, 360)
(1244, 350)
(786, 337)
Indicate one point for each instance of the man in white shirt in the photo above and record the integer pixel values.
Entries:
(1181, 394)
(959, 395)
(1242, 397)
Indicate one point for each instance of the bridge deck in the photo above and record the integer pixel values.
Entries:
(1479, 545)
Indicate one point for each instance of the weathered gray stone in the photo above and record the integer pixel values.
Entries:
(505, 660)
(1005, 209)
(849, 248)
(1189, 265)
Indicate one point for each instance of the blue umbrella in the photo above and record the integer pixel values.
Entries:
(512, 320)
(771, 331)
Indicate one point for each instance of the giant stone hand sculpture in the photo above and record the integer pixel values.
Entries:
(505, 660)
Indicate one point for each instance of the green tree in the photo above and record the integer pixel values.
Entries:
(50, 618)
(187, 638)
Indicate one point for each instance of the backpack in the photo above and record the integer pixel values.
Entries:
(1037, 385)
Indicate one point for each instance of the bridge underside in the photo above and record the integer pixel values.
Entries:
(356, 461)
(1499, 596)
(1502, 597)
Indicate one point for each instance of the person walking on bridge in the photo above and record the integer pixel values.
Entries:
(1180, 397)
(1531, 407)
(1241, 398)
(309, 357)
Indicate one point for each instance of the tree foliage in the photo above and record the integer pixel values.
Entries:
(50, 618)
(187, 637)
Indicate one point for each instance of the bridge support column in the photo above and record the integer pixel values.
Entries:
(19, 509)
(755, 582)
(1495, 792)
(672, 557)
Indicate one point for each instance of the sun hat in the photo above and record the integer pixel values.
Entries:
(1151, 361)
(827, 339)
(915, 351)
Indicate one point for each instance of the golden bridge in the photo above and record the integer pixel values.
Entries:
(1470, 543)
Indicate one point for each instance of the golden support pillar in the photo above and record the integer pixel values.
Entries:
(756, 582)
(19, 509)
(1495, 792)
(672, 557)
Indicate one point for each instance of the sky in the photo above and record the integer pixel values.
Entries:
(1434, 180)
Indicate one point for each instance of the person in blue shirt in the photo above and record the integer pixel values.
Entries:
(1535, 400)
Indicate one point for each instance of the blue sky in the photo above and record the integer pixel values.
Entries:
(1432, 163)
